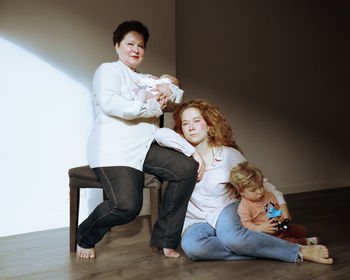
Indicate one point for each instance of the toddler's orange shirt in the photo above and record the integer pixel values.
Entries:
(253, 213)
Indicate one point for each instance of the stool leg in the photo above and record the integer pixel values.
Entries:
(154, 193)
(74, 197)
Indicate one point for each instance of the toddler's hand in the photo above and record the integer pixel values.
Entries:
(268, 227)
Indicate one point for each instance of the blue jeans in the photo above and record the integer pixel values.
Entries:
(231, 241)
(124, 189)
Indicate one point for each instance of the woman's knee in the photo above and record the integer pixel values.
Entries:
(130, 208)
(241, 241)
(121, 213)
(229, 229)
(191, 249)
(232, 242)
(233, 237)
(193, 240)
(187, 168)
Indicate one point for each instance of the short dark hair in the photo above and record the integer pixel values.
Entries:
(127, 26)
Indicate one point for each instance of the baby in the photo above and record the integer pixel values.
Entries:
(150, 83)
(248, 181)
(148, 87)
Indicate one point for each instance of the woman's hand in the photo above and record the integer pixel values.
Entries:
(268, 227)
(162, 95)
(163, 89)
(161, 100)
(285, 212)
(201, 168)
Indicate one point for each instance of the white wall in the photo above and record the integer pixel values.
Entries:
(49, 51)
(278, 71)
(45, 119)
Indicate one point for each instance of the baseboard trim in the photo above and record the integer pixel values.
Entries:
(310, 188)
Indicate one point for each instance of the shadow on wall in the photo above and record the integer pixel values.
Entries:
(285, 59)
(45, 120)
(295, 155)
(299, 114)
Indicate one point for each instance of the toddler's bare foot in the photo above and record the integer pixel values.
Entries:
(83, 253)
(170, 253)
(316, 253)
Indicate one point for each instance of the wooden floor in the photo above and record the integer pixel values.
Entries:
(124, 252)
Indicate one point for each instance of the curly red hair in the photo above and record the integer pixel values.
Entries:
(220, 132)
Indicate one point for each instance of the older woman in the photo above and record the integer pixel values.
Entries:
(212, 229)
(121, 148)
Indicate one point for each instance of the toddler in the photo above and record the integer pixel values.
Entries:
(248, 182)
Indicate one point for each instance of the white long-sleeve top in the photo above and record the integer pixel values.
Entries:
(210, 195)
(148, 84)
(119, 139)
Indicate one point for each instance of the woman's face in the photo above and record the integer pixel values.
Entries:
(194, 127)
(131, 50)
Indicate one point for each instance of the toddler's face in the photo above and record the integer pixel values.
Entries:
(254, 193)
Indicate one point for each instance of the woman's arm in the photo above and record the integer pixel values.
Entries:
(271, 188)
(167, 137)
(279, 195)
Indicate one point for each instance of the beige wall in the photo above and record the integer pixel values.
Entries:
(76, 36)
(72, 37)
(278, 71)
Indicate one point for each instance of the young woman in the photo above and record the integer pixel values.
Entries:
(212, 228)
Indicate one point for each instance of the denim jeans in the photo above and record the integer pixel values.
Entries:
(231, 241)
(124, 189)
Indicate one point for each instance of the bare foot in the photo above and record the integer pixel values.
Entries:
(83, 253)
(316, 253)
(170, 253)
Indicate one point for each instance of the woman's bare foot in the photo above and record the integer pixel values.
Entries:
(170, 253)
(83, 253)
(316, 253)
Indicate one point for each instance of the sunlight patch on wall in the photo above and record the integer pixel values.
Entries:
(45, 118)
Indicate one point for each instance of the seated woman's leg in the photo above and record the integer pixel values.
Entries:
(247, 242)
(124, 189)
(180, 172)
(199, 242)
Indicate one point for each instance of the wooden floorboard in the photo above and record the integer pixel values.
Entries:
(124, 252)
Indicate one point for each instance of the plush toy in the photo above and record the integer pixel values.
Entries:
(271, 213)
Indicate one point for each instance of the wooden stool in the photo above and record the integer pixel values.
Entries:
(84, 177)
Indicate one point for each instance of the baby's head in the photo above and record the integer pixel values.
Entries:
(173, 80)
(248, 180)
